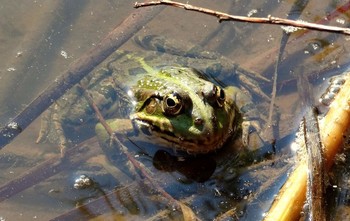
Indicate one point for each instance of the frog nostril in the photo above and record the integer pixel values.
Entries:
(198, 121)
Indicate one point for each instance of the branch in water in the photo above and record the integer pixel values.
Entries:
(76, 71)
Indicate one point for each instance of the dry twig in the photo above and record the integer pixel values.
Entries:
(227, 17)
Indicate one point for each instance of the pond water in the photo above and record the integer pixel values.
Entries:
(40, 39)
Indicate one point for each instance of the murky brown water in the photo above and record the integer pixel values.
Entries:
(35, 35)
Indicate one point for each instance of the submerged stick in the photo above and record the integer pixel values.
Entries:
(76, 71)
(227, 17)
(316, 190)
(294, 13)
(289, 202)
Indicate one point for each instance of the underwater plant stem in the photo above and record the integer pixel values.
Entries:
(290, 200)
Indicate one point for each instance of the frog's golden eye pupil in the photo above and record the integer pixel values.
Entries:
(172, 104)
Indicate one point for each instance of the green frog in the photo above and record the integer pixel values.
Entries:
(170, 94)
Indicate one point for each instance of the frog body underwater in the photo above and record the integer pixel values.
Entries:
(164, 93)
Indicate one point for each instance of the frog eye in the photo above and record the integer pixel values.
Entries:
(215, 96)
(172, 104)
(220, 97)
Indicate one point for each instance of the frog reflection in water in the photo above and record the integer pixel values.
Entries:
(164, 93)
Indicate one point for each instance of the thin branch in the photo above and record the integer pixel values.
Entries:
(268, 20)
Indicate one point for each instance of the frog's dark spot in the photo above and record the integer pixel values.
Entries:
(214, 122)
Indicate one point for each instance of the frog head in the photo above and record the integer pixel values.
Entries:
(183, 110)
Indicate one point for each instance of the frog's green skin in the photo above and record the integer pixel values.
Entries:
(160, 95)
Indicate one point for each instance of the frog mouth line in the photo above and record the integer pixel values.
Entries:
(148, 128)
(187, 145)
